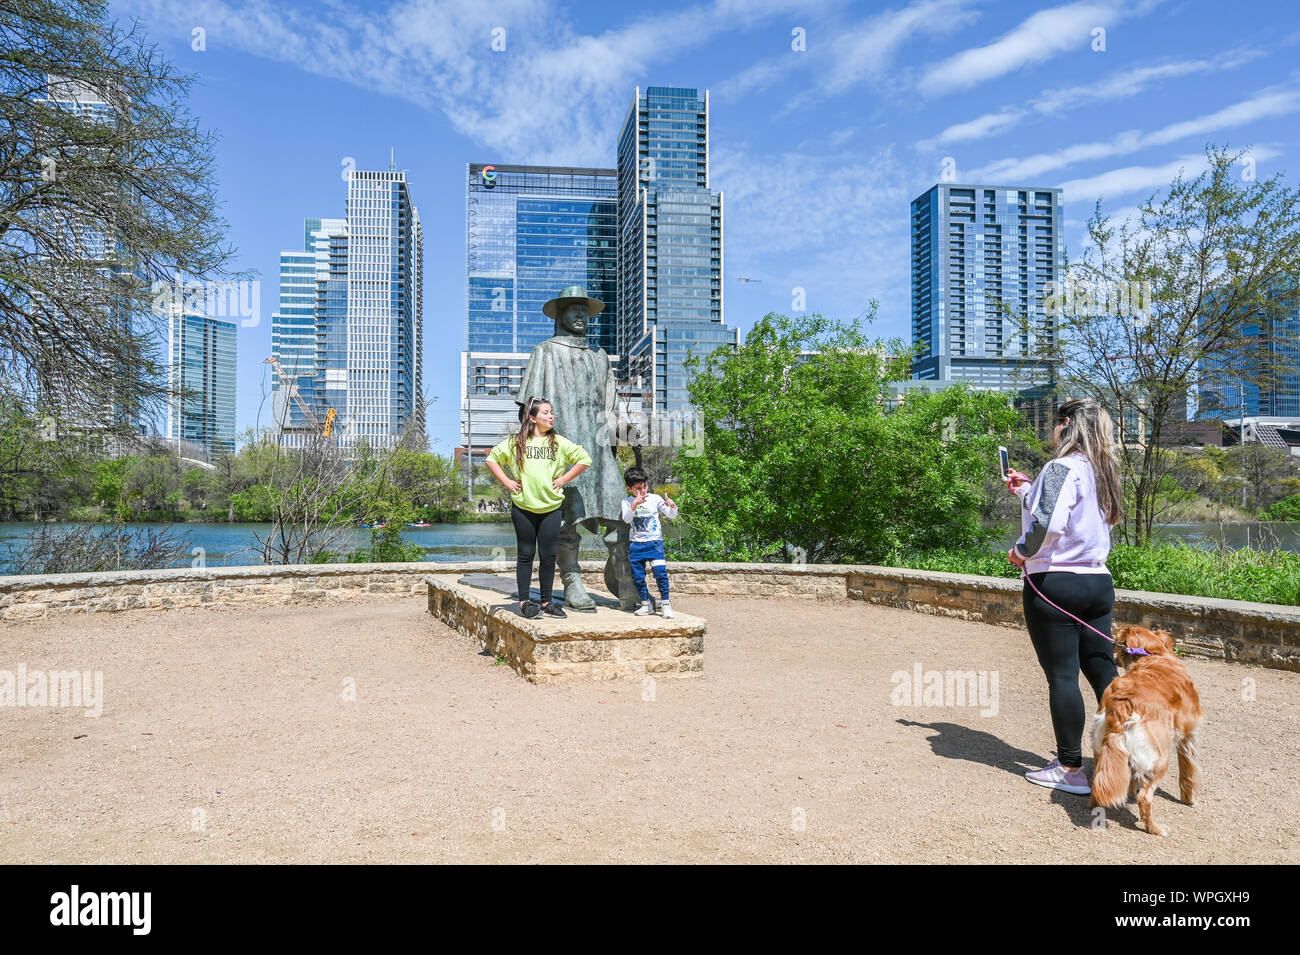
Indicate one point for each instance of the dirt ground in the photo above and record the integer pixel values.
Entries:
(226, 737)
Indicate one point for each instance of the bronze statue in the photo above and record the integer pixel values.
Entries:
(579, 383)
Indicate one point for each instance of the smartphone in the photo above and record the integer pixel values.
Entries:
(1004, 464)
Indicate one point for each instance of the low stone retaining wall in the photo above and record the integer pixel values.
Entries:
(35, 597)
(1234, 630)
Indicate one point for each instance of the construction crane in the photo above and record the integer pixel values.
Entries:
(291, 388)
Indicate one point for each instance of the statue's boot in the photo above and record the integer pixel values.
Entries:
(566, 562)
(618, 567)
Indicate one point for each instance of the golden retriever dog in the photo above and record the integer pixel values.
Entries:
(1149, 709)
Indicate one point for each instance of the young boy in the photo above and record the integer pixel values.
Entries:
(641, 509)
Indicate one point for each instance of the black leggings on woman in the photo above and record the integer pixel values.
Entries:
(1064, 647)
(532, 530)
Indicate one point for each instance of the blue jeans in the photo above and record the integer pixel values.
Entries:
(638, 553)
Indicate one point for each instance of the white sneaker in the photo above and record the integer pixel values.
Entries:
(667, 609)
(1055, 776)
(645, 610)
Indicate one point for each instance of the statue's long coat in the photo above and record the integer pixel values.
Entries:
(579, 383)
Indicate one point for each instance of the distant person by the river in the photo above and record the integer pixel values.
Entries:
(1066, 517)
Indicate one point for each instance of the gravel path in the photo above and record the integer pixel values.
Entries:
(224, 738)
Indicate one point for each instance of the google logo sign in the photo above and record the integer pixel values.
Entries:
(489, 176)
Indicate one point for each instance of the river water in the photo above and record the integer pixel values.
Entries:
(227, 544)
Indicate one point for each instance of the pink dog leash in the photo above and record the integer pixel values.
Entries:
(1131, 651)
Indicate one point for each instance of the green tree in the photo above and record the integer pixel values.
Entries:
(1148, 306)
(199, 486)
(803, 454)
(152, 484)
(1260, 475)
(430, 481)
(139, 171)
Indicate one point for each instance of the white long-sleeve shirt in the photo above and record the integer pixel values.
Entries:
(645, 518)
(1061, 522)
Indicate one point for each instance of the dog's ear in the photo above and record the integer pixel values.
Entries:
(1126, 633)
(1165, 638)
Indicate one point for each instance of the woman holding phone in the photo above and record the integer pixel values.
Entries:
(1066, 517)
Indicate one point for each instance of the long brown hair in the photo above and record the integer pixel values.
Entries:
(528, 429)
(1089, 431)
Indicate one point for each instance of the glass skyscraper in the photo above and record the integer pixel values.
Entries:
(670, 244)
(201, 366)
(531, 231)
(982, 260)
(350, 329)
(1262, 379)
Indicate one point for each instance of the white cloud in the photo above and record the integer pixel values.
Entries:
(1038, 38)
(1135, 179)
(1277, 103)
(551, 96)
(1265, 105)
(1054, 102)
(838, 58)
(868, 49)
(981, 127)
(1132, 82)
(832, 223)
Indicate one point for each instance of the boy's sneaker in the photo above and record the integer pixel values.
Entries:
(551, 610)
(531, 609)
(645, 610)
(666, 608)
(1054, 776)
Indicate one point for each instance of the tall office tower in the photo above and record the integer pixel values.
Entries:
(349, 331)
(531, 231)
(1262, 378)
(670, 244)
(982, 259)
(91, 255)
(201, 403)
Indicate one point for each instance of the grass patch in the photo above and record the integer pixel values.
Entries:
(1264, 576)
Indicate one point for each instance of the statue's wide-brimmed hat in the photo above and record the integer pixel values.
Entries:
(574, 293)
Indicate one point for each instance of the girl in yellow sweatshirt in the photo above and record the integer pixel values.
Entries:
(534, 465)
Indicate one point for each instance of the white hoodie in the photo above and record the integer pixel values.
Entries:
(1061, 522)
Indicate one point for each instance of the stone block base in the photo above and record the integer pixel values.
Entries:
(609, 644)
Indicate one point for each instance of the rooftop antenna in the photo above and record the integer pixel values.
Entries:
(392, 159)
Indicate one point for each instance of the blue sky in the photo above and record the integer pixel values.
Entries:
(818, 151)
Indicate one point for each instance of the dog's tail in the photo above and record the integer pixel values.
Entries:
(1110, 777)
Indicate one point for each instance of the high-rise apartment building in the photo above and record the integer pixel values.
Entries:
(349, 331)
(670, 245)
(983, 258)
(201, 386)
(530, 232)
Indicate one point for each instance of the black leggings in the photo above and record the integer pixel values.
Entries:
(1064, 648)
(532, 530)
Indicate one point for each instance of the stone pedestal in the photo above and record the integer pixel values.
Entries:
(609, 644)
